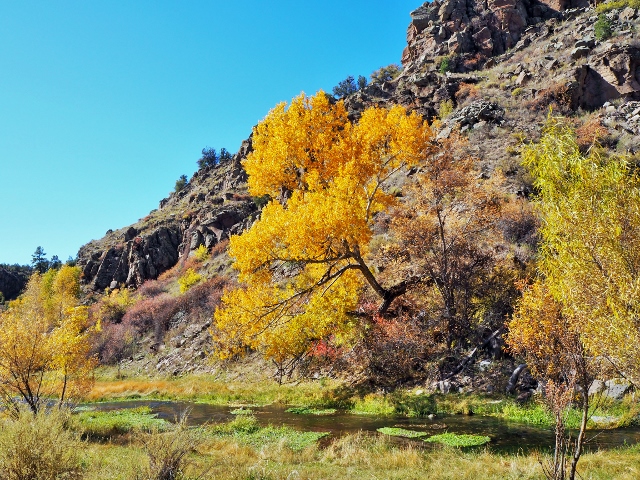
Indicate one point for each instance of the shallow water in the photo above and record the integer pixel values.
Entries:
(506, 436)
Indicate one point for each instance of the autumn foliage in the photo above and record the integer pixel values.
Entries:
(302, 265)
(45, 341)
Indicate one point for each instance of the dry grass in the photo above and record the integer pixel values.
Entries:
(246, 383)
(357, 456)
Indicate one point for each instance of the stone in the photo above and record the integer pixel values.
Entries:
(580, 52)
(616, 388)
(627, 14)
(485, 365)
(444, 386)
(522, 78)
(596, 386)
(552, 64)
(113, 285)
(586, 42)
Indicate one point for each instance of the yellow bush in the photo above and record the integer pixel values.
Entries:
(445, 109)
(188, 280)
(201, 253)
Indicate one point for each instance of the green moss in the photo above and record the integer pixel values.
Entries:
(246, 430)
(118, 422)
(401, 432)
(458, 440)
(310, 411)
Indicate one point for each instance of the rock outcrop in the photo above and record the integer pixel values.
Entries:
(472, 30)
(213, 205)
(13, 280)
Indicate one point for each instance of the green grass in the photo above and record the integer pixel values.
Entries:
(117, 422)
(401, 432)
(458, 440)
(311, 411)
(372, 405)
(246, 430)
(242, 411)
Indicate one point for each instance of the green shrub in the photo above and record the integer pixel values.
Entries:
(445, 109)
(412, 405)
(180, 183)
(39, 448)
(189, 279)
(517, 92)
(386, 74)
(445, 65)
(602, 28)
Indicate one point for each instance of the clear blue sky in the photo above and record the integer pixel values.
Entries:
(104, 104)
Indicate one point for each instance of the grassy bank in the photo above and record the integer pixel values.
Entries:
(120, 445)
(273, 454)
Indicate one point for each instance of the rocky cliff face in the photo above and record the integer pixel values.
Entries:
(475, 30)
(13, 279)
(213, 205)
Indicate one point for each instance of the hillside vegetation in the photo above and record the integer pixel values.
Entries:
(467, 223)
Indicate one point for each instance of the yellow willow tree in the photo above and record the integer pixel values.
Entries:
(590, 250)
(584, 309)
(45, 342)
(302, 265)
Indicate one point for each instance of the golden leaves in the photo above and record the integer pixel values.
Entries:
(590, 250)
(44, 340)
(301, 263)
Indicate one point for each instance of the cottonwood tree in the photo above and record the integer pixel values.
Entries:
(45, 342)
(303, 264)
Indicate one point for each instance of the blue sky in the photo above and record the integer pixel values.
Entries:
(104, 104)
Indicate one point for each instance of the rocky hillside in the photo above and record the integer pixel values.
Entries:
(213, 205)
(492, 70)
(497, 66)
(13, 279)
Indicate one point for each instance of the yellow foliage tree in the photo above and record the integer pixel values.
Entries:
(44, 341)
(590, 250)
(584, 307)
(302, 264)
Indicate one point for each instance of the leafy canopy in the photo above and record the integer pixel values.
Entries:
(302, 264)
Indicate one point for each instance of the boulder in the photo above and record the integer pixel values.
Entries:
(580, 52)
(476, 112)
(627, 14)
(616, 388)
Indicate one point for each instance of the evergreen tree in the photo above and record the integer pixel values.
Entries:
(39, 260)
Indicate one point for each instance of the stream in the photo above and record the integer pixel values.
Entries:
(506, 436)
